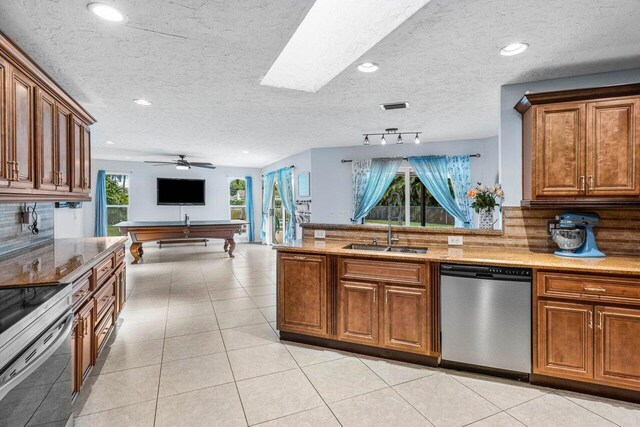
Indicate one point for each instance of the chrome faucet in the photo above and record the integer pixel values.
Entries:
(390, 239)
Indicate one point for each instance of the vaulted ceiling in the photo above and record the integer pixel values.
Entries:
(200, 63)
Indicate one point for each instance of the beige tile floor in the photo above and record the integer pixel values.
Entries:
(196, 345)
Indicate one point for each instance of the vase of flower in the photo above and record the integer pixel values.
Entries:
(485, 200)
(485, 220)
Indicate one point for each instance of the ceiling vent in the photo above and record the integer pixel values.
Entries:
(395, 106)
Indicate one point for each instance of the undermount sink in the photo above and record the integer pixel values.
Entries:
(367, 247)
(379, 248)
(408, 250)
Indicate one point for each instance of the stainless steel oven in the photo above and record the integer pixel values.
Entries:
(35, 356)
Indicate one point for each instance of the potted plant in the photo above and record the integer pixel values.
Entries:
(485, 199)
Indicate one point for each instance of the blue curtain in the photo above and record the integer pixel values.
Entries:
(267, 194)
(381, 174)
(433, 173)
(101, 205)
(285, 186)
(459, 168)
(249, 200)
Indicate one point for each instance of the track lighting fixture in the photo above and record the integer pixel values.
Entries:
(390, 131)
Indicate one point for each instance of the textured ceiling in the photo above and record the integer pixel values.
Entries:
(200, 63)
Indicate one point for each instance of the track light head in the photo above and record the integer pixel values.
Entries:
(399, 139)
(383, 141)
(416, 140)
(366, 140)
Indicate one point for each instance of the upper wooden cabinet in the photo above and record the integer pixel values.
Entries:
(36, 152)
(581, 147)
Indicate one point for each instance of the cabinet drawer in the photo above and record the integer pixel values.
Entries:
(102, 330)
(105, 296)
(587, 287)
(119, 256)
(81, 288)
(102, 270)
(384, 271)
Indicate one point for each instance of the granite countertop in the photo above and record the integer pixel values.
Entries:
(475, 255)
(58, 261)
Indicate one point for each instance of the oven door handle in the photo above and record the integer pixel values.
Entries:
(44, 353)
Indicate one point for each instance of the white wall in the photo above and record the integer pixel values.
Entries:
(331, 190)
(68, 223)
(510, 136)
(143, 204)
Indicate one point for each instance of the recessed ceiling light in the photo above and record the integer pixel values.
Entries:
(109, 142)
(141, 102)
(368, 67)
(106, 12)
(513, 49)
(245, 152)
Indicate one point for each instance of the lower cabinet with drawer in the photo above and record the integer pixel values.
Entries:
(98, 295)
(587, 329)
(367, 302)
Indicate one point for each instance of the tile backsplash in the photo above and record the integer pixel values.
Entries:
(15, 236)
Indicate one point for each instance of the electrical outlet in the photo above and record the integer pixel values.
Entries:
(319, 234)
(455, 240)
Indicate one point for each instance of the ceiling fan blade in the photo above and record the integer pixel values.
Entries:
(202, 165)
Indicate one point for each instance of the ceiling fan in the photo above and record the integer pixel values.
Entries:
(183, 164)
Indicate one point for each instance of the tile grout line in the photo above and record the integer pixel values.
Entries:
(166, 320)
(235, 383)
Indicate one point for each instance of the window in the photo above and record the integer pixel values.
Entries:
(117, 201)
(237, 202)
(422, 211)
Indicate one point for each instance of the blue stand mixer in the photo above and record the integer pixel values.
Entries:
(573, 232)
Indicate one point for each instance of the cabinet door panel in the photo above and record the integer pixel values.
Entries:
(63, 144)
(358, 312)
(302, 294)
(86, 159)
(47, 177)
(560, 146)
(22, 138)
(617, 359)
(76, 155)
(405, 318)
(5, 166)
(565, 340)
(87, 316)
(613, 150)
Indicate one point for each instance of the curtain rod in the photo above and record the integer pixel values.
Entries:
(406, 158)
(292, 167)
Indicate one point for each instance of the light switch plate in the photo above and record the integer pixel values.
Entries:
(319, 234)
(455, 240)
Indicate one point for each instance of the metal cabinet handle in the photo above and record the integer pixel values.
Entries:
(302, 258)
(587, 288)
(17, 167)
(600, 320)
(582, 184)
(84, 328)
(591, 186)
(591, 319)
(386, 296)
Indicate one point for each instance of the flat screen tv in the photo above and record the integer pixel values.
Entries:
(173, 191)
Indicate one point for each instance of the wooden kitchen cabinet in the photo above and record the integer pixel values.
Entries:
(405, 318)
(85, 354)
(63, 144)
(302, 294)
(21, 129)
(613, 148)
(37, 159)
(46, 151)
(358, 312)
(581, 147)
(564, 340)
(617, 341)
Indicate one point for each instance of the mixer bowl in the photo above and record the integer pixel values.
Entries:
(568, 239)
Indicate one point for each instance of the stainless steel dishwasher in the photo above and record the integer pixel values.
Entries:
(486, 319)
